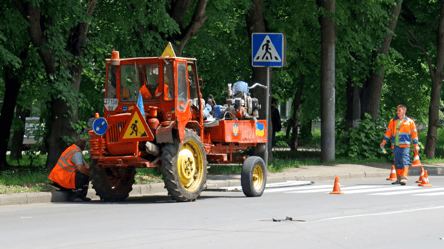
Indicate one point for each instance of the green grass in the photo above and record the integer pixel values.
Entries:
(23, 180)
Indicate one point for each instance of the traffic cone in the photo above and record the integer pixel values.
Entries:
(416, 161)
(392, 174)
(425, 180)
(336, 187)
(421, 176)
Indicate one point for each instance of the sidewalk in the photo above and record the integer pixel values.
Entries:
(306, 173)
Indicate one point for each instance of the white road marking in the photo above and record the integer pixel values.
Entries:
(274, 185)
(375, 190)
(377, 214)
(400, 192)
(430, 194)
(287, 184)
(331, 189)
(298, 188)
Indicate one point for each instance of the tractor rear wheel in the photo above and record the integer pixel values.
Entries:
(184, 167)
(112, 184)
(253, 176)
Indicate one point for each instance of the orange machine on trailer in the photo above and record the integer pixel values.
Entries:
(155, 117)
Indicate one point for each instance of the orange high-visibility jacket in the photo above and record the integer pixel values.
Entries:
(64, 172)
(407, 132)
(146, 94)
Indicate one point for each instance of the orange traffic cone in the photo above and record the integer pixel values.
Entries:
(421, 176)
(425, 180)
(336, 187)
(392, 174)
(416, 161)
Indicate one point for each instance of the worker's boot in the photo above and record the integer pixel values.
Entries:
(75, 195)
(398, 180)
(403, 182)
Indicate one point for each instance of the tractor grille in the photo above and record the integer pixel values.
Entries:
(115, 130)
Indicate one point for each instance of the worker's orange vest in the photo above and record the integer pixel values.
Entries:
(64, 172)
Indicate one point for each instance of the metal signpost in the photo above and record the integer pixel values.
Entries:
(268, 50)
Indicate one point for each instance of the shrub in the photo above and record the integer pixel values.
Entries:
(362, 142)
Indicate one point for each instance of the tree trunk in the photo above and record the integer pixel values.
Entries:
(256, 24)
(376, 79)
(353, 105)
(433, 116)
(17, 137)
(295, 124)
(12, 88)
(328, 40)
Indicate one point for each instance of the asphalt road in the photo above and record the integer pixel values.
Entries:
(371, 213)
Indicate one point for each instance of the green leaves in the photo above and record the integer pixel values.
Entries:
(362, 142)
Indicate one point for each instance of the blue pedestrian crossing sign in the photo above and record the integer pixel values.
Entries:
(268, 50)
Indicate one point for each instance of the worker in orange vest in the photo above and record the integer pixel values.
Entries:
(72, 172)
(146, 94)
(401, 130)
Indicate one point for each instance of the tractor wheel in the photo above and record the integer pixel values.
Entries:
(253, 176)
(184, 167)
(112, 184)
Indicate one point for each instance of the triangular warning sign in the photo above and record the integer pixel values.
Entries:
(169, 51)
(267, 52)
(136, 129)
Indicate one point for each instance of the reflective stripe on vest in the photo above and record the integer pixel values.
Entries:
(65, 158)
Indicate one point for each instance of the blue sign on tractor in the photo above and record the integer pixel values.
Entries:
(100, 126)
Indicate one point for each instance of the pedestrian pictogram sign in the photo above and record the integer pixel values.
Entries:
(136, 129)
(169, 51)
(268, 50)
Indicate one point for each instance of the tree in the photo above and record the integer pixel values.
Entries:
(377, 74)
(60, 38)
(328, 40)
(435, 70)
(13, 50)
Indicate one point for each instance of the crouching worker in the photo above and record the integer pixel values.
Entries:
(71, 172)
(401, 130)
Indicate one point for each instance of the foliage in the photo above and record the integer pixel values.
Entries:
(362, 142)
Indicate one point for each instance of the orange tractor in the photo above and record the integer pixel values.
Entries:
(155, 117)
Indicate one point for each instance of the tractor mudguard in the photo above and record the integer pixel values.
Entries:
(164, 134)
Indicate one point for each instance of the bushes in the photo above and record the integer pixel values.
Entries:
(362, 142)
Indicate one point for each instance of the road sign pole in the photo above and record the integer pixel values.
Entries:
(267, 112)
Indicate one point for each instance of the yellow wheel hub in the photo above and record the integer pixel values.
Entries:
(190, 166)
(258, 177)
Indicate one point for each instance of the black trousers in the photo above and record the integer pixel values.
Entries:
(82, 182)
(81, 190)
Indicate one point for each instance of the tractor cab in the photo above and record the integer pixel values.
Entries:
(167, 84)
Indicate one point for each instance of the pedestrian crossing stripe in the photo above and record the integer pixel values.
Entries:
(137, 129)
(267, 52)
(370, 189)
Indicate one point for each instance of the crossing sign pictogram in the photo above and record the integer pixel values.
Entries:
(137, 129)
(268, 50)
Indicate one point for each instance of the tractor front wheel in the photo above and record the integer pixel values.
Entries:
(112, 184)
(184, 167)
(253, 176)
